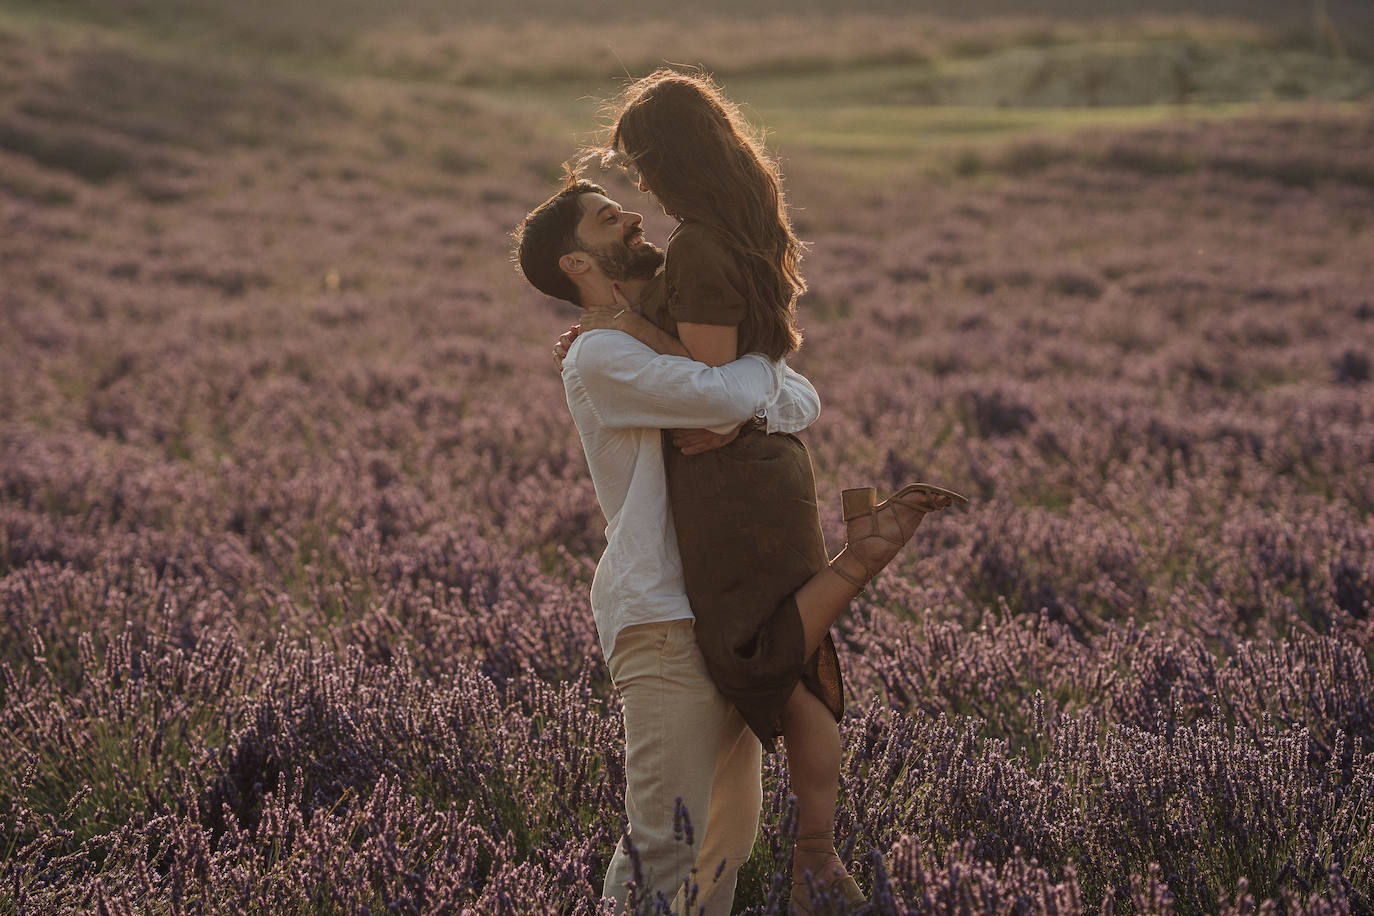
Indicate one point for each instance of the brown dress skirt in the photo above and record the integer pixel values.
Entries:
(750, 536)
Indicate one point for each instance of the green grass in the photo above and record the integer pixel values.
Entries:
(874, 142)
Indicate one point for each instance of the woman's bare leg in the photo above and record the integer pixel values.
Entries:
(827, 594)
(809, 730)
(811, 737)
(821, 601)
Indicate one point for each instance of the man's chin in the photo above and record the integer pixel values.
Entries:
(646, 263)
(644, 272)
(638, 263)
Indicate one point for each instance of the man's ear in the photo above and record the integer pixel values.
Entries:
(574, 263)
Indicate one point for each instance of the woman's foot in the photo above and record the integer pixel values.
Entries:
(828, 877)
(875, 533)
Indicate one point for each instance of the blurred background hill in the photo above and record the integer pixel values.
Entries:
(864, 88)
(345, 28)
(326, 15)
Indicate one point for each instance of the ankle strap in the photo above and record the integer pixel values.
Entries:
(829, 839)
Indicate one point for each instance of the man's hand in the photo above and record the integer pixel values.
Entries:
(696, 441)
(565, 341)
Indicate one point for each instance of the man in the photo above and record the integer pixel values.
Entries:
(683, 739)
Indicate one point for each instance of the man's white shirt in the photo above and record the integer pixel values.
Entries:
(621, 394)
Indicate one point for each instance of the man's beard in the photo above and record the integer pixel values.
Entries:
(622, 262)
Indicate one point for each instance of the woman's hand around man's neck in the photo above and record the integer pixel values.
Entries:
(608, 301)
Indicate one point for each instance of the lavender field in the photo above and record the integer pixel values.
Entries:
(296, 534)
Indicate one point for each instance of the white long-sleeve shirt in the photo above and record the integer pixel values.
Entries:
(621, 394)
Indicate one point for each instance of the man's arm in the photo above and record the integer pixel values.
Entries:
(630, 385)
(797, 405)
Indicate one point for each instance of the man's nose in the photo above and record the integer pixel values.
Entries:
(634, 219)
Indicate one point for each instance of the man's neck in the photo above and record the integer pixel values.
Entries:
(602, 298)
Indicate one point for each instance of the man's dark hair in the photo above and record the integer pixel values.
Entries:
(548, 232)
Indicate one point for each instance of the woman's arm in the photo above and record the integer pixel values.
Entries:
(638, 327)
(712, 344)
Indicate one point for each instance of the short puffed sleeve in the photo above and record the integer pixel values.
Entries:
(704, 281)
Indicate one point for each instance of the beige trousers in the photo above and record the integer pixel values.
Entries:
(683, 740)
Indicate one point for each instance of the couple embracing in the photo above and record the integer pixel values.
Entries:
(714, 598)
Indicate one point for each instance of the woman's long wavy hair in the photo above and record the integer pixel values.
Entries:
(700, 159)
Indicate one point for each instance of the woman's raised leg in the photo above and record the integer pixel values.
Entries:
(874, 536)
(810, 733)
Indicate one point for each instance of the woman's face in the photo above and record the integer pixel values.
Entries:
(632, 172)
(636, 177)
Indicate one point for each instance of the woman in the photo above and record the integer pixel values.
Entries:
(745, 514)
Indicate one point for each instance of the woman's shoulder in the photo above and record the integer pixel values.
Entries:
(693, 241)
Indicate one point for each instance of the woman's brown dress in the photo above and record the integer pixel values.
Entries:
(745, 516)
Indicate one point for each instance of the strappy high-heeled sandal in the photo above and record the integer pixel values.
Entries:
(859, 502)
(843, 889)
